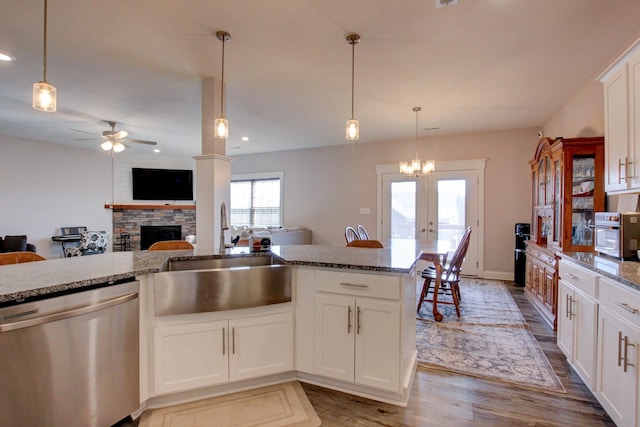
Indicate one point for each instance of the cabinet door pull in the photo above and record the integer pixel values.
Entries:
(626, 306)
(354, 285)
(571, 313)
(626, 356)
(358, 322)
(233, 340)
(224, 350)
(566, 304)
(619, 348)
(620, 166)
(349, 320)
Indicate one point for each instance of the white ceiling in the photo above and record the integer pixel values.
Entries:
(477, 66)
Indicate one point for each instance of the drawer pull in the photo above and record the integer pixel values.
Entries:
(572, 276)
(354, 285)
(626, 306)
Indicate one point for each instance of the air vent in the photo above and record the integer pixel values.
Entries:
(443, 3)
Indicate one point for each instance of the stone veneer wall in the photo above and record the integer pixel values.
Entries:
(126, 220)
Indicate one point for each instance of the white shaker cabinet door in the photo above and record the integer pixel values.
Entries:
(260, 345)
(189, 356)
(377, 328)
(618, 159)
(617, 377)
(335, 330)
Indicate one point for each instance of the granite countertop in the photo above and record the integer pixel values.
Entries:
(37, 279)
(626, 272)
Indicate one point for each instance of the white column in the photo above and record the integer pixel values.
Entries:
(213, 172)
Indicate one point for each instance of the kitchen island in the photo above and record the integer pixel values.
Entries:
(371, 353)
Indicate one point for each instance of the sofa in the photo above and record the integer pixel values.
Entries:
(298, 235)
(16, 244)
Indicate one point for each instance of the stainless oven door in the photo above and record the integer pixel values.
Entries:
(607, 241)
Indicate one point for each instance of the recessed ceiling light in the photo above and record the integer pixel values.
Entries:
(156, 150)
(245, 138)
(6, 57)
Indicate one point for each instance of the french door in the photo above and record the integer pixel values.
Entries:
(436, 207)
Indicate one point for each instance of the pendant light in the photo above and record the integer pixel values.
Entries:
(415, 167)
(221, 124)
(44, 94)
(353, 127)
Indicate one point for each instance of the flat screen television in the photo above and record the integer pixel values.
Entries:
(162, 184)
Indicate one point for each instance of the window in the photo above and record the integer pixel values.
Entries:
(256, 200)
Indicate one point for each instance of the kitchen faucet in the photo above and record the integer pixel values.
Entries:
(224, 225)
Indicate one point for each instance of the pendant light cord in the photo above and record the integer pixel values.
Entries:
(44, 59)
(353, 66)
(222, 88)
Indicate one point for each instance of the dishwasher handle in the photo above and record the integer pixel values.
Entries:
(20, 324)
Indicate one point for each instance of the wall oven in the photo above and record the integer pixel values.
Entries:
(617, 233)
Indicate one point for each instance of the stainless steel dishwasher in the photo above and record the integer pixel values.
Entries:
(71, 360)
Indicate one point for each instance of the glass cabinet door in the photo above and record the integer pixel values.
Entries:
(557, 197)
(582, 198)
(541, 177)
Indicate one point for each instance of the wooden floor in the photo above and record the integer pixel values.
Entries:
(446, 399)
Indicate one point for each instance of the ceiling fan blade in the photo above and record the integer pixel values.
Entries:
(82, 131)
(85, 139)
(141, 141)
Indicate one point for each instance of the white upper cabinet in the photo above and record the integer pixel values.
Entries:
(622, 121)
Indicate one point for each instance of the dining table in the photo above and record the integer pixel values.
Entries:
(433, 251)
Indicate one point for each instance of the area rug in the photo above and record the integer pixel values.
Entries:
(272, 406)
(491, 339)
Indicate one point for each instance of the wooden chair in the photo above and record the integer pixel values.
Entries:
(19, 257)
(365, 243)
(362, 232)
(450, 279)
(167, 245)
(350, 234)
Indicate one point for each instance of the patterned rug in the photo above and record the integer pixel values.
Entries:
(491, 339)
(272, 406)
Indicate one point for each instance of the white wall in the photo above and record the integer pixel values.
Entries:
(47, 186)
(324, 188)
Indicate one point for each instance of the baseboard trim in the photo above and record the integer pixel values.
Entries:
(498, 275)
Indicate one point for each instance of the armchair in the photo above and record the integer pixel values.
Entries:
(91, 243)
(16, 244)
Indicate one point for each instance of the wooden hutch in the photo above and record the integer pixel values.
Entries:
(567, 177)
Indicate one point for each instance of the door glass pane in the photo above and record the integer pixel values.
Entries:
(556, 204)
(403, 210)
(452, 210)
(582, 214)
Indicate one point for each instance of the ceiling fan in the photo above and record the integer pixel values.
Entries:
(114, 140)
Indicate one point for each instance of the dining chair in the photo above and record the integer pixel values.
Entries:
(450, 278)
(350, 234)
(362, 232)
(167, 245)
(19, 257)
(365, 243)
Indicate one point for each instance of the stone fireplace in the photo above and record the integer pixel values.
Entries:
(166, 222)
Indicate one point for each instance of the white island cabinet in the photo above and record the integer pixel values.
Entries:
(359, 332)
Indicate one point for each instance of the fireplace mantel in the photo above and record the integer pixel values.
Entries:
(109, 206)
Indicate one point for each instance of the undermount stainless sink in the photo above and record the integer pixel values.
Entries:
(220, 289)
(225, 262)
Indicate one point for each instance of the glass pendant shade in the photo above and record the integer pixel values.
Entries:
(107, 145)
(44, 97)
(222, 128)
(118, 147)
(353, 130)
(415, 167)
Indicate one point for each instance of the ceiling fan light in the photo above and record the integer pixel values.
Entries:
(221, 128)
(107, 145)
(353, 130)
(44, 97)
(118, 147)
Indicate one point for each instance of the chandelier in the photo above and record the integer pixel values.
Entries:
(415, 167)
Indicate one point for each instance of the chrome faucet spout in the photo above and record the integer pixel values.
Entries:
(224, 225)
